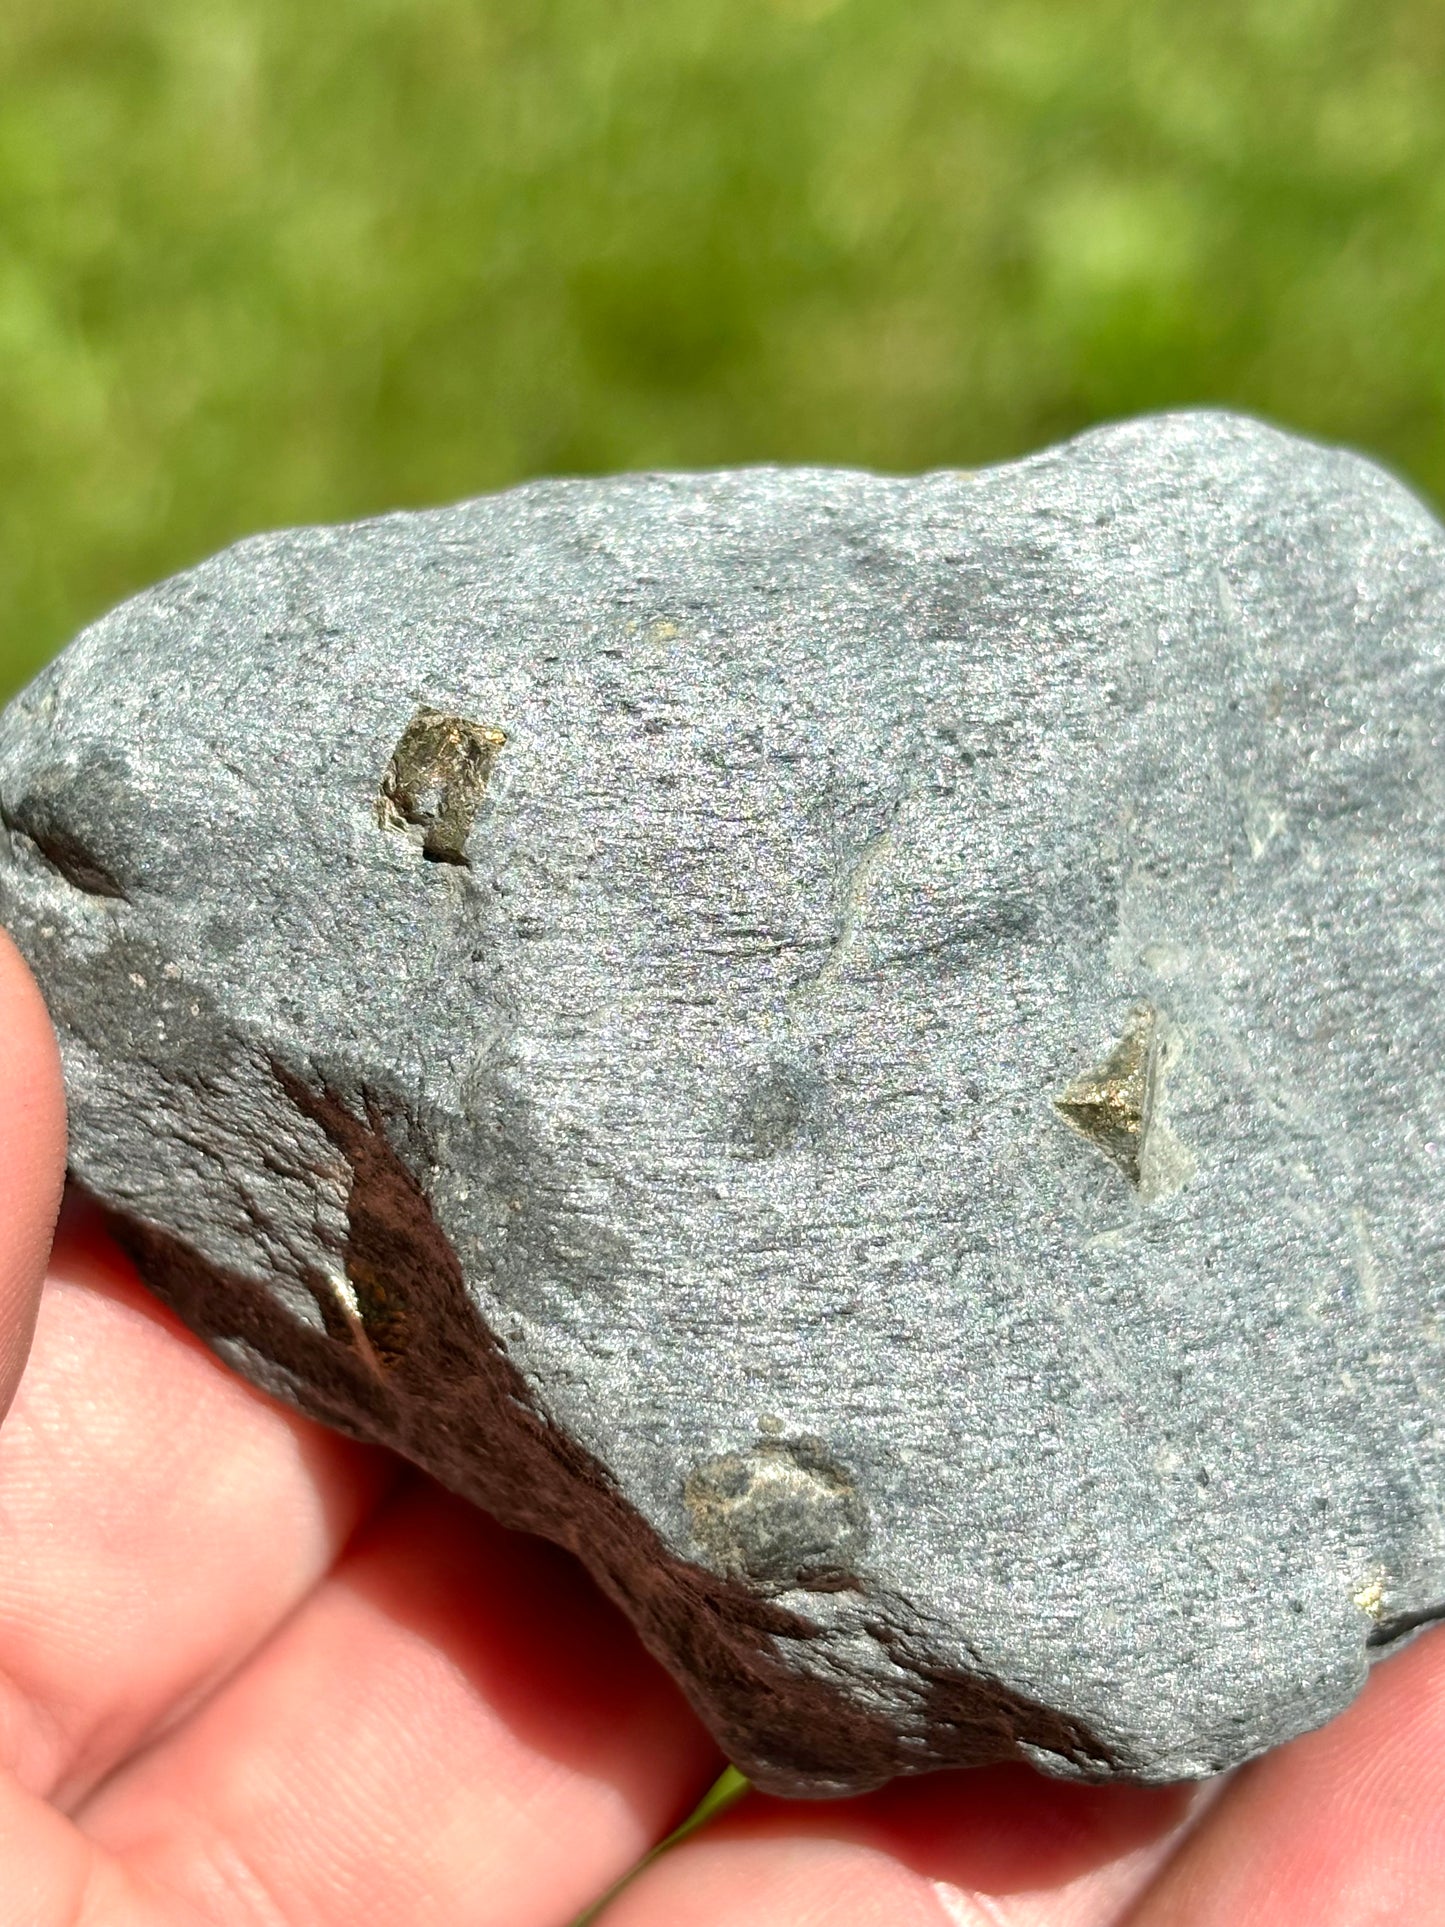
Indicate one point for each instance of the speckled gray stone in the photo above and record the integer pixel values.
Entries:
(866, 1053)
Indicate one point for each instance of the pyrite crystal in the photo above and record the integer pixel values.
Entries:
(865, 1053)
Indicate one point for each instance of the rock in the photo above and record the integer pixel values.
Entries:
(865, 1053)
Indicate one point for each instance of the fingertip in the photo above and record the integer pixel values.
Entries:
(32, 1157)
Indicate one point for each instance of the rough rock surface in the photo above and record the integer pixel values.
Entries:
(866, 1053)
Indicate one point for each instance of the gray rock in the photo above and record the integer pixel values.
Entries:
(865, 1053)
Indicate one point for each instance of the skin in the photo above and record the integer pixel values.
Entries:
(252, 1673)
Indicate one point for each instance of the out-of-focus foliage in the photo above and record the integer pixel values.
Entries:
(263, 262)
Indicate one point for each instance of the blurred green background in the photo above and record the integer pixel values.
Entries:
(263, 263)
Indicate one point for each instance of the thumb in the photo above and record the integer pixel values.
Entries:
(32, 1158)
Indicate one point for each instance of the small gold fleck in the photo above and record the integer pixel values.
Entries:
(1371, 1598)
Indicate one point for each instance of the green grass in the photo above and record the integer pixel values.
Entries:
(264, 263)
(725, 1792)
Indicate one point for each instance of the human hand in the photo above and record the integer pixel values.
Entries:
(255, 1675)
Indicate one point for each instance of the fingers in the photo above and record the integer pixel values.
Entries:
(158, 1519)
(993, 1846)
(1343, 1826)
(32, 1157)
(455, 1728)
(724, 1879)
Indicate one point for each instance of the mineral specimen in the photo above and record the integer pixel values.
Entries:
(866, 1053)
